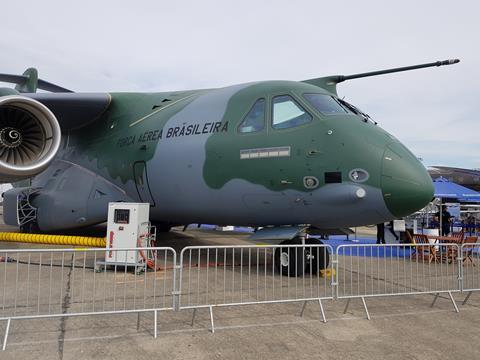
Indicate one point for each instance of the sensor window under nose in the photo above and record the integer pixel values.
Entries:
(358, 175)
(310, 182)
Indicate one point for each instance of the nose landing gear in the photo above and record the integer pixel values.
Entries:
(296, 261)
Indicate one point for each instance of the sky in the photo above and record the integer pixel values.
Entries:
(143, 45)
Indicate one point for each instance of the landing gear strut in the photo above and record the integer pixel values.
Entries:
(296, 261)
(162, 227)
(29, 228)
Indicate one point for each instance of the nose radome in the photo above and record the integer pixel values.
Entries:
(406, 185)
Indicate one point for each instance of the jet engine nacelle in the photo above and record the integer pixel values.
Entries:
(29, 137)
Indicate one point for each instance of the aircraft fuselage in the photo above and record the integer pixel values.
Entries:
(204, 157)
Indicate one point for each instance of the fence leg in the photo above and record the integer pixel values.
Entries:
(303, 308)
(138, 321)
(434, 299)
(322, 311)
(155, 319)
(365, 307)
(453, 302)
(468, 297)
(346, 306)
(211, 320)
(5, 338)
(193, 316)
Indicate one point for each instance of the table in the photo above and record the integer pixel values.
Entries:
(449, 253)
(444, 239)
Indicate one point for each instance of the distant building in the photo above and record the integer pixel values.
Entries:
(469, 178)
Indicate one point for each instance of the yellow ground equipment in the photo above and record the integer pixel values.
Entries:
(328, 273)
(53, 239)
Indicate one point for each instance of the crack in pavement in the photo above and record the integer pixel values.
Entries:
(65, 306)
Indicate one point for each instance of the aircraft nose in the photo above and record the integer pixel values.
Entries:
(406, 184)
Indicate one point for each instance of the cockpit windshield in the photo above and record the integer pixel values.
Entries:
(353, 109)
(330, 105)
(325, 104)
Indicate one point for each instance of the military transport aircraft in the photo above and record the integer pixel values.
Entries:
(268, 153)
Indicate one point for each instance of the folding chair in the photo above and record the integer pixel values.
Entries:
(422, 250)
(458, 235)
(470, 242)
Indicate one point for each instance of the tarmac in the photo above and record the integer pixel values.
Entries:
(403, 327)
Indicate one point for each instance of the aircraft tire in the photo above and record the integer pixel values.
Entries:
(319, 259)
(290, 261)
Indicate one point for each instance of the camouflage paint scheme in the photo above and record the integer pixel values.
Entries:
(181, 152)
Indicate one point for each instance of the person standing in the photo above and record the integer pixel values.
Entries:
(381, 233)
(470, 226)
(446, 217)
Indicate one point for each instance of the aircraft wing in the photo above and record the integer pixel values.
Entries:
(32, 123)
(74, 110)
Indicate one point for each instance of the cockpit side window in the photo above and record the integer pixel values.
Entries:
(325, 104)
(288, 113)
(255, 119)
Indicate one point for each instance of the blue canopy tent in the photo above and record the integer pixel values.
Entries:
(445, 189)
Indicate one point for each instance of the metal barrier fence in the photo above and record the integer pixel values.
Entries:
(45, 283)
(394, 269)
(241, 275)
(470, 254)
(60, 283)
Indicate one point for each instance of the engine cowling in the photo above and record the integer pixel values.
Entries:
(29, 137)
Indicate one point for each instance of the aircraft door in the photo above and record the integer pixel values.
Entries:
(141, 182)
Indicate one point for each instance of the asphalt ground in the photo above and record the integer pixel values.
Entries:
(403, 327)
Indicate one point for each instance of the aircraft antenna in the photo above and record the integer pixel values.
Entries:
(399, 69)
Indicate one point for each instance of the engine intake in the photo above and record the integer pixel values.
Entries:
(29, 137)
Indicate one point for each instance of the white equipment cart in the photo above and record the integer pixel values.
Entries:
(128, 227)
